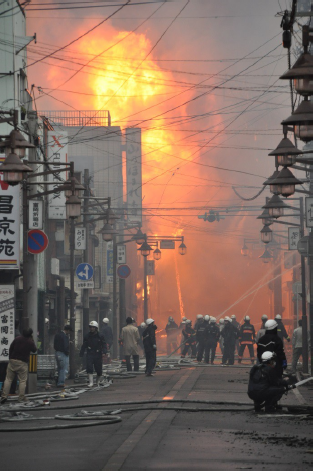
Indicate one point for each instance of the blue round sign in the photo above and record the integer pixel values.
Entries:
(123, 271)
(84, 271)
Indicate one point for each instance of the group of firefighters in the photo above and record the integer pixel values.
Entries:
(202, 339)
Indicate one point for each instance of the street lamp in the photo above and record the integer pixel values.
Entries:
(157, 254)
(266, 234)
(73, 205)
(285, 182)
(108, 232)
(286, 153)
(269, 181)
(145, 249)
(14, 170)
(139, 237)
(266, 256)
(265, 217)
(182, 249)
(17, 143)
(302, 120)
(275, 207)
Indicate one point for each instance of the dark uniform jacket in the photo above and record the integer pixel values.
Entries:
(198, 323)
(229, 334)
(21, 347)
(148, 338)
(107, 334)
(246, 334)
(171, 329)
(213, 333)
(281, 331)
(262, 377)
(202, 331)
(189, 335)
(94, 344)
(236, 324)
(62, 343)
(270, 342)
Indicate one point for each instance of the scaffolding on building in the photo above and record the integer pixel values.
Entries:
(77, 118)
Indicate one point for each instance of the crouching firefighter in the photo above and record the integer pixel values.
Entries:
(96, 348)
(265, 387)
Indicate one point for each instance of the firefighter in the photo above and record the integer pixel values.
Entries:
(265, 386)
(237, 325)
(189, 335)
(246, 339)
(202, 337)
(149, 343)
(171, 330)
(221, 326)
(96, 348)
(229, 334)
(261, 332)
(199, 320)
(213, 334)
(273, 343)
(281, 331)
(180, 328)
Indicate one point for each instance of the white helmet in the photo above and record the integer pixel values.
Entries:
(264, 317)
(228, 319)
(246, 318)
(105, 320)
(278, 316)
(212, 320)
(93, 324)
(170, 318)
(149, 321)
(143, 324)
(233, 316)
(221, 321)
(271, 324)
(206, 318)
(199, 316)
(184, 319)
(268, 356)
(188, 321)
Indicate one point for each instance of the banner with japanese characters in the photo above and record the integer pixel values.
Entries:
(7, 321)
(293, 237)
(57, 154)
(134, 180)
(9, 225)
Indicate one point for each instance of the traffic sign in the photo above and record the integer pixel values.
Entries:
(303, 246)
(37, 241)
(84, 271)
(123, 271)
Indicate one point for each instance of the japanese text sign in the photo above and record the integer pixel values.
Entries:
(133, 170)
(80, 238)
(35, 209)
(9, 225)
(7, 307)
(309, 212)
(293, 237)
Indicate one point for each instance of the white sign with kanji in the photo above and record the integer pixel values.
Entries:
(35, 220)
(9, 225)
(309, 211)
(293, 237)
(134, 180)
(121, 254)
(80, 238)
(7, 328)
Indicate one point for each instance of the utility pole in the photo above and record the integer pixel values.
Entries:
(145, 289)
(85, 295)
(277, 284)
(72, 300)
(114, 302)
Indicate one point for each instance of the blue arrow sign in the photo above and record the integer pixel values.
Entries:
(84, 271)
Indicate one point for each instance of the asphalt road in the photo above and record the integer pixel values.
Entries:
(167, 439)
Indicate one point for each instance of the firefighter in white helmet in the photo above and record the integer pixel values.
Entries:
(271, 342)
(96, 348)
(265, 386)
